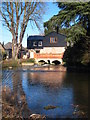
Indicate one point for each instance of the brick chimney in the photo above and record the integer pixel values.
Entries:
(57, 29)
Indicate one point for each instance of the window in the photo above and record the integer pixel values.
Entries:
(53, 39)
(34, 43)
(40, 43)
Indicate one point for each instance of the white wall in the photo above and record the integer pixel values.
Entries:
(53, 50)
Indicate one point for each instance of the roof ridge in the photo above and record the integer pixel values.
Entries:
(55, 32)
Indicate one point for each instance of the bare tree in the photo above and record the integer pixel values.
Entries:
(16, 15)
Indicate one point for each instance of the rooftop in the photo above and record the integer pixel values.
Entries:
(8, 45)
(37, 37)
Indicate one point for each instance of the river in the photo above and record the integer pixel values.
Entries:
(50, 85)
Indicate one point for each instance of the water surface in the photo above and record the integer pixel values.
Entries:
(50, 85)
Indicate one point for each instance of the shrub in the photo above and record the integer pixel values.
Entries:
(29, 60)
(4, 54)
(10, 63)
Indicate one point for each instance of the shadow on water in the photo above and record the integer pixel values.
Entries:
(44, 86)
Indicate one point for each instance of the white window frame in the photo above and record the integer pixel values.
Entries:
(34, 43)
(40, 43)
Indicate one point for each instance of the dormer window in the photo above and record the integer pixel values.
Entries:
(53, 39)
(34, 43)
(40, 43)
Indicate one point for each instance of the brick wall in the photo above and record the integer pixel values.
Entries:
(53, 50)
(50, 52)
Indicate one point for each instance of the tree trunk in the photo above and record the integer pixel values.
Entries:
(14, 50)
(88, 25)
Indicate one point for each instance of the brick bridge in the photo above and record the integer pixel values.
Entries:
(50, 57)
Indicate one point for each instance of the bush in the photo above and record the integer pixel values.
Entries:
(29, 60)
(79, 53)
(10, 63)
(4, 54)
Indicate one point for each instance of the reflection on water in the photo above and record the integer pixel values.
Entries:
(50, 86)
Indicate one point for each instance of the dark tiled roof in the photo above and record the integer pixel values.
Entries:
(53, 32)
(8, 45)
(36, 37)
(60, 40)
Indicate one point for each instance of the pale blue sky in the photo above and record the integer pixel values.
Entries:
(5, 35)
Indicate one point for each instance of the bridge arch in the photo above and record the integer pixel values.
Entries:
(56, 62)
(48, 60)
(41, 61)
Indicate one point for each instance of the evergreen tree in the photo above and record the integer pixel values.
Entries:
(70, 13)
(74, 21)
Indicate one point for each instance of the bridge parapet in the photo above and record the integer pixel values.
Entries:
(50, 59)
(53, 56)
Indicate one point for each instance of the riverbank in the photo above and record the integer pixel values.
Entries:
(22, 63)
(31, 62)
(78, 69)
(14, 106)
(16, 63)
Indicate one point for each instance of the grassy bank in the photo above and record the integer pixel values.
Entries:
(10, 63)
(15, 63)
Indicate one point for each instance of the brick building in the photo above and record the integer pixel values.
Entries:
(48, 48)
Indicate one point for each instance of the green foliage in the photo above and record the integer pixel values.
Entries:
(74, 12)
(75, 32)
(29, 60)
(16, 63)
(10, 63)
(74, 21)
(79, 54)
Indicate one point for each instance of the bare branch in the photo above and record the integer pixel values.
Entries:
(6, 21)
(17, 15)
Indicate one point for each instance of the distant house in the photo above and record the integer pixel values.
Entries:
(8, 49)
(48, 48)
(2, 49)
(23, 52)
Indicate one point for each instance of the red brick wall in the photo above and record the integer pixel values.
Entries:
(57, 56)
